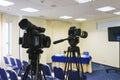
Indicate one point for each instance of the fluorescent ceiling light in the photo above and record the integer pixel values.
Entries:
(117, 13)
(105, 9)
(6, 3)
(65, 17)
(29, 10)
(83, 1)
(80, 19)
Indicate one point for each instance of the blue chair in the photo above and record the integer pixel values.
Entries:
(12, 75)
(75, 75)
(3, 75)
(25, 64)
(19, 66)
(86, 53)
(14, 66)
(6, 61)
(58, 72)
(47, 72)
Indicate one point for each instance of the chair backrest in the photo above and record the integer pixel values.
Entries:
(12, 61)
(47, 70)
(25, 64)
(86, 53)
(12, 75)
(74, 75)
(6, 60)
(3, 75)
(58, 72)
(19, 64)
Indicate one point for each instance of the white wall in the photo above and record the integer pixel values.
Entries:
(15, 34)
(101, 50)
(96, 43)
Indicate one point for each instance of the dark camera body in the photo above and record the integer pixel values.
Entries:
(33, 37)
(74, 34)
(74, 31)
(35, 41)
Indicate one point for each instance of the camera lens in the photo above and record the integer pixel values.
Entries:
(84, 34)
(46, 41)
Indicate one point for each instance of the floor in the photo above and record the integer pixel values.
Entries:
(99, 72)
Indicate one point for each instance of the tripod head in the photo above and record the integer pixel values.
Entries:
(73, 36)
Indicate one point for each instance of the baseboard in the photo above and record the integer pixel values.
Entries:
(105, 65)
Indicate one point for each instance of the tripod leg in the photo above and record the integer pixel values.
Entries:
(66, 66)
(26, 72)
(70, 74)
(69, 67)
(41, 68)
(70, 61)
(78, 69)
(82, 70)
(44, 75)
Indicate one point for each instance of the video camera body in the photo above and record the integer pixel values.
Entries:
(33, 37)
(74, 34)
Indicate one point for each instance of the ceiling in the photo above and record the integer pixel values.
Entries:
(52, 9)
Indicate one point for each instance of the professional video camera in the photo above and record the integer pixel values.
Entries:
(33, 38)
(73, 36)
(77, 32)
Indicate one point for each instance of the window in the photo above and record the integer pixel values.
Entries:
(7, 38)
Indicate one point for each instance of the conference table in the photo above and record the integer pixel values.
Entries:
(59, 60)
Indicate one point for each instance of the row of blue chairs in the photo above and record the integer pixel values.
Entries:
(20, 66)
(10, 75)
(57, 74)
(15, 64)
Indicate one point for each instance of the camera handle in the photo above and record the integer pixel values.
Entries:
(34, 67)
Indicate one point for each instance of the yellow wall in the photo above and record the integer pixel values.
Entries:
(96, 43)
(101, 50)
(57, 30)
(15, 47)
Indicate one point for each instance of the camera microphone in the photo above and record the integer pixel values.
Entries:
(25, 24)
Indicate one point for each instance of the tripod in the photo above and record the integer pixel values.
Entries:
(73, 40)
(68, 65)
(34, 67)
